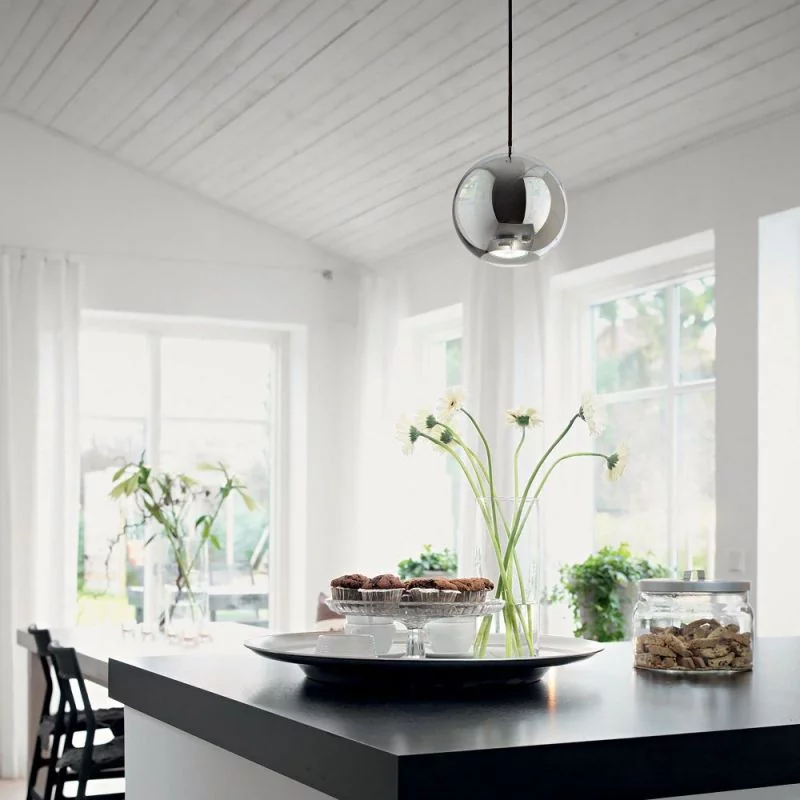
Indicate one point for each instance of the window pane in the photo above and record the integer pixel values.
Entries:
(634, 509)
(105, 445)
(453, 362)
(630, 342)
(218, 379)
(239, 568)
(114, 374)
(695, 502)
(698, 334)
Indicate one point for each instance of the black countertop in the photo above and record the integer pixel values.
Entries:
(596, 726)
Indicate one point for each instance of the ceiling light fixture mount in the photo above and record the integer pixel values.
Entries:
(509, 210)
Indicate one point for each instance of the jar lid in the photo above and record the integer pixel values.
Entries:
(693, 581)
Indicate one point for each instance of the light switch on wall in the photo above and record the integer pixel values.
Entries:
(736, 561)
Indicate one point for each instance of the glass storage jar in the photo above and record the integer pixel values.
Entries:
(693, 625)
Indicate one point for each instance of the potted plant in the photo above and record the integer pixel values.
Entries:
(601, 592)
(430, 564)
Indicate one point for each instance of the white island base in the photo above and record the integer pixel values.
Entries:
(164, 762)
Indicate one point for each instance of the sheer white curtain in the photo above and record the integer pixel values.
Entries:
(383, 369)
(39, 469)
(505, 319)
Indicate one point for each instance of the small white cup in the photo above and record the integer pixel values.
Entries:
(346, 645)
(382, 631)
(452, 637)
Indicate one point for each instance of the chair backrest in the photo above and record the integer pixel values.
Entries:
(65, 661)
(42, 638)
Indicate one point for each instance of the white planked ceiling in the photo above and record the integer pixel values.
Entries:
(350, 122)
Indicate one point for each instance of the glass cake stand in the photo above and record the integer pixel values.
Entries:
(414, 615)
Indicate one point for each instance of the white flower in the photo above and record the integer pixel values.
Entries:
(524, 417)
(593, 412)
(618, 462)
(407, 434)
(451, 402)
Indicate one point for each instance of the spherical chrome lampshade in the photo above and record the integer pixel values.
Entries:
(510, 211)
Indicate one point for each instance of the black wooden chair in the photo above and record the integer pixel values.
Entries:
(92, 761)
(46, 745)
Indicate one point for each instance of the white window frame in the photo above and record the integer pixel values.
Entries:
(431, 329)
(576, 293)
(426, 336)
(156, 327)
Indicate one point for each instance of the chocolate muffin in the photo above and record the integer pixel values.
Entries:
(431, 590)
(354, 581)
(347, 586)
(386, 589)
(386, 581)
(472, 590)
(444, 584)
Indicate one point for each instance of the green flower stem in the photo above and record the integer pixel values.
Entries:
(565, 458)
(544, 458)
(503, 563)
(503, 579)
(490, 524)
(488, 465)
(516, 463)
(472, 455)
(516, 528)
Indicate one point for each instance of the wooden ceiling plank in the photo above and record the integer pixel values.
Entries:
(730, 96)
(729, 85)
(366, 40)
(300, 46)
(547, 63)
(106, 25)
(431, 219)
(23, 48)
(551, 103)
(129, 64)
(550, 115)
(736, 55)
(590, 172)
(15, 15)
(468, 143)
(250, 119)
(414, 68)
(208, 38)
(591, 167)
(779, 74)
(29, 78)
(112, 94)
(229, 67)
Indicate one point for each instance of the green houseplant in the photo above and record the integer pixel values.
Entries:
(599, 591)
(429, 561)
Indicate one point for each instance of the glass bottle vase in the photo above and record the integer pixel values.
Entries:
(186, 589)
(509, 553)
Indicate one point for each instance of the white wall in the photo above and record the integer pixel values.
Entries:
(151, 248)
(724, 186)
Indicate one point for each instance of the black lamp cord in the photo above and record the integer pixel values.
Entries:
(510, 90)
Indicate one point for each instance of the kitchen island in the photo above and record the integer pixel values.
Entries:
(241, 726)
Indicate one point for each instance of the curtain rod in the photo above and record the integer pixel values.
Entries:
(89, 255)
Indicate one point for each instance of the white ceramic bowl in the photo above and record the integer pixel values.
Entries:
(346, 645)
(452, 637)
(382, 633)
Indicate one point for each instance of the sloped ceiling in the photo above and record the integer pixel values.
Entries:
(350, 122)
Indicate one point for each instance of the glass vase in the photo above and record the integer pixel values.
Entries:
(186, 587)
(510, 554)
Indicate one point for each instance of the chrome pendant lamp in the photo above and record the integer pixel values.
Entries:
(509, 210)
